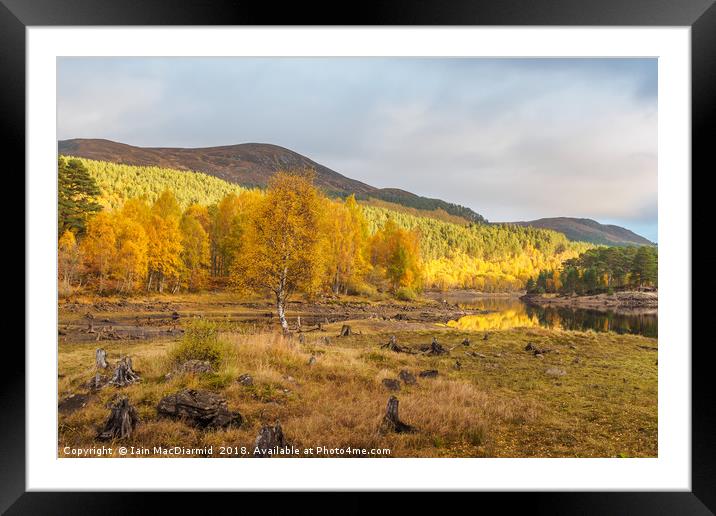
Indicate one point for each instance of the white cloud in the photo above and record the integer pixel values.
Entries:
(512, 139)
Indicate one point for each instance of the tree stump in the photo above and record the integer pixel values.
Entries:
(391, 422)
(345, 331)
(101, 359)
(393, 345)
(436, 349)
(485, 337)
(123, 373)
(122, 421)
(268, 439)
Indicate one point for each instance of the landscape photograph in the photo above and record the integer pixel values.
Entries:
(357, 257)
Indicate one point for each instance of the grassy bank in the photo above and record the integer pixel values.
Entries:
(502, 402)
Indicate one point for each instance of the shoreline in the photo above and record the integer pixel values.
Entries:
(627, 302)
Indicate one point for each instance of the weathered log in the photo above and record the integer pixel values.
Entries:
(345, 331)
(268, 439)
(101, 359)
(202, 409)
(407, 377)
(121, 422)
(123, 373)
(391, 422)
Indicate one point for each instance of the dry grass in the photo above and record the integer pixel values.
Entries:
(500, 405)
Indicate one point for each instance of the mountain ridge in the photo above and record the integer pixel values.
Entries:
(251, 164)
(588, 230)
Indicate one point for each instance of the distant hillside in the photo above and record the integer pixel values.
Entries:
(251, 164)
(588, 230)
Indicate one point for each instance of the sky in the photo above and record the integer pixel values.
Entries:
(513, 139)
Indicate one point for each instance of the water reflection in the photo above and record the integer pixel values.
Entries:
(507, 313)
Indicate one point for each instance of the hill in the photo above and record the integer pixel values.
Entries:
(588, 230)
(252, 165)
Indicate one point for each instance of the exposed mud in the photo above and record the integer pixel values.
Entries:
(137, 319)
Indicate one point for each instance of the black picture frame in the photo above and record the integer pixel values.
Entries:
(700, 15)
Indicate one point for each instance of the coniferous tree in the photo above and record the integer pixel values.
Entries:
(77, 194)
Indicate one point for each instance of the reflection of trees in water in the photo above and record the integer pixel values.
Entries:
(580, 319)
(508, 313)
(503, 320)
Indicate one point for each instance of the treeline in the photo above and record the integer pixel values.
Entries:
(290, 238)
(117, 183)
(395, 196)
(485, 257)
(600, 270)
(196, 228)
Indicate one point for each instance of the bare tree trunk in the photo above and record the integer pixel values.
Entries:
(280, 302)
(101, 359)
